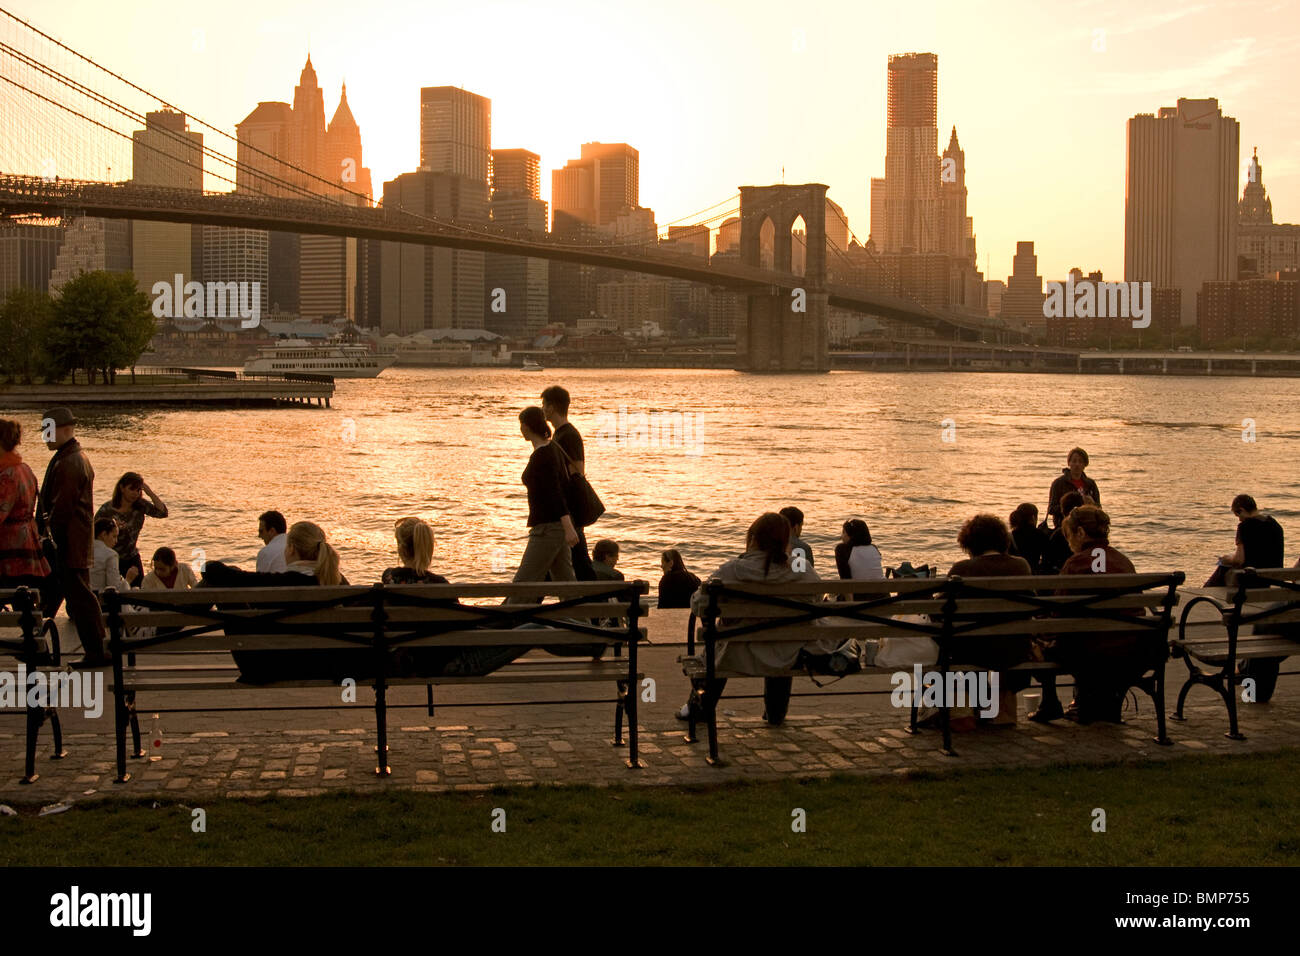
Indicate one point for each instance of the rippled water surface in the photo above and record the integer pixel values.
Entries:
(1167, 453)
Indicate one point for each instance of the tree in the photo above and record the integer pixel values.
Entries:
(24, 323)
(101, 323)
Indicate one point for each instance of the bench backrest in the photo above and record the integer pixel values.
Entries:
(397, 615)
(943, 607)
(1279, 588)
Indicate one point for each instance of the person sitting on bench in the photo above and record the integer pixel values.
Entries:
(766, 560)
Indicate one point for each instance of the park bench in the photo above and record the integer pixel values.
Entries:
(178, 640)
(949, 610)
(1253, 599)
(36, 649)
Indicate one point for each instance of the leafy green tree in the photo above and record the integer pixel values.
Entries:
(102, 322)
(24, 322)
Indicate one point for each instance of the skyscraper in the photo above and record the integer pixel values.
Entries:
(455, 132)
(600, 186)
(1180, 209)
(165, 153)
(912, 155)
(515, 173)
(1022, 302)
(422, 287)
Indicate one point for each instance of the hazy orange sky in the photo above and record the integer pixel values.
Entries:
(720, 94)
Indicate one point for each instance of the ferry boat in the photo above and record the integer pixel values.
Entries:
(531, 366)
(321, 358)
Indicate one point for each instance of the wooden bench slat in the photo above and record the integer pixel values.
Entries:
(361, 617)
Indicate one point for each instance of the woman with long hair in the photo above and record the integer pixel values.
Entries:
(309, 560)
(766, 560)
(1027, 540)
(856, 557)
(1106, 665)
(551, 534)
(21, 561)
(677, 585)
(129, 509)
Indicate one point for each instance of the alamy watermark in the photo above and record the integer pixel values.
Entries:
(1091, 299)
(626, 429)
(73, 690)
(212, 300)
(950, 689)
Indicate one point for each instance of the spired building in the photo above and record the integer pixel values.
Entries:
(1264, 248)
(1180, 208)
(285, 151)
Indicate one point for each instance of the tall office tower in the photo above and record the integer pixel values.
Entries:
(879, 227)
(422, 287)
(912, 154)
(520, 306)
(695, 238)
(238, 255)
(516, 172)
(1023, 300)
(1264, 248)
(165, 153)
(1180, 209)
(329, 264)
(246, 255)
(307, 129)
(571, 288)
(28, 252)
(455, 132)
(600, 186)
(516, 288)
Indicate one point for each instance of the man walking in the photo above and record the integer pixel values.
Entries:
(65, 515)
(555, 405)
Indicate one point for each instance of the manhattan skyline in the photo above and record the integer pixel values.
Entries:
(719, 95)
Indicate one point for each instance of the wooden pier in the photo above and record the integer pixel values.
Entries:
(181, 386)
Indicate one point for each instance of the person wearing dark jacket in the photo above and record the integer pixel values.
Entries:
(678, 585)
(551, 534)
(1057, 551)
(1028, 540)
(986, 539)
(1072, 478)
(65, 518)
(1106, 665)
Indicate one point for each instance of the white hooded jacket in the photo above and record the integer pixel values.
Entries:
(767, 659)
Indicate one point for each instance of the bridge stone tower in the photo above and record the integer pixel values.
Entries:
(784, 332)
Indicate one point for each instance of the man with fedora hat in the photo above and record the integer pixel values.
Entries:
(65, 514)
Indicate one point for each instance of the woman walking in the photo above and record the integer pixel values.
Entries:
(551, 534)
(129, 509)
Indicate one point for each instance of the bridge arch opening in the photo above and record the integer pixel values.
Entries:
(767, 244)
(799, 246)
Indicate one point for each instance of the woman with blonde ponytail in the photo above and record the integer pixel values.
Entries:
(309, 560)
(415, 548)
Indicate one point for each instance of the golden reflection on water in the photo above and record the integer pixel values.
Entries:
(444, 445)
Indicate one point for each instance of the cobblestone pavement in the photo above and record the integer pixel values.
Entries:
(490, 741)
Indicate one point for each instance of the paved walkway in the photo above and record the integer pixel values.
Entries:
(491, 741)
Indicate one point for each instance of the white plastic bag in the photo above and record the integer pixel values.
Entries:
(904, 652)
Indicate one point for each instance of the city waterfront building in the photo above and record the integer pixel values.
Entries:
(1022, 303)
(1180, 210)
(28, 252)
(456, 133)
(1263, 246)
(166, 153)
(600, 186)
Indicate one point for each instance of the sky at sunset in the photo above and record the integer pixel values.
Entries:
(720, 94)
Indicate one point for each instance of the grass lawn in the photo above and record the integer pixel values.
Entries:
(1223, 811)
